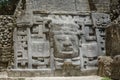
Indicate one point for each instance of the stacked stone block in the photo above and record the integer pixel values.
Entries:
(6, 42)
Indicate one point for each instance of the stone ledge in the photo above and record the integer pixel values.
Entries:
(48, 73)
(56, 78)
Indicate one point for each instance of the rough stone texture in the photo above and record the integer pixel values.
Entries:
(30, 73)
(60, 5)
(52, 36)
(55, 78)
(104, 66)
(115, 67)
(48, 73)
(7, 7)
(113, 49)
(6, 41)
(100, 5)
(108, 67)
(70, 37)
(115, 9)
(113, 38)
(19, 11)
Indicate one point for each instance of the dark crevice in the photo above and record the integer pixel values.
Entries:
(92, 5)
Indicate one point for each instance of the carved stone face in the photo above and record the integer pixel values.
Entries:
(66, 46)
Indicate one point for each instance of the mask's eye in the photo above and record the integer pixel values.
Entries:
(73, 40)
(59, 39)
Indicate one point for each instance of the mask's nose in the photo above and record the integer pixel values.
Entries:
(67, 42)
(67, 45)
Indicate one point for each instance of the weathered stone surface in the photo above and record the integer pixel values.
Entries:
(54, 78)
(7, 7)
(115, 9)
(113, 48)
(100, 5)
(115, 67)
(6, 41)
(60, 5)
(113, 38)
(66, 37)
(50, 37)
(104, 66)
